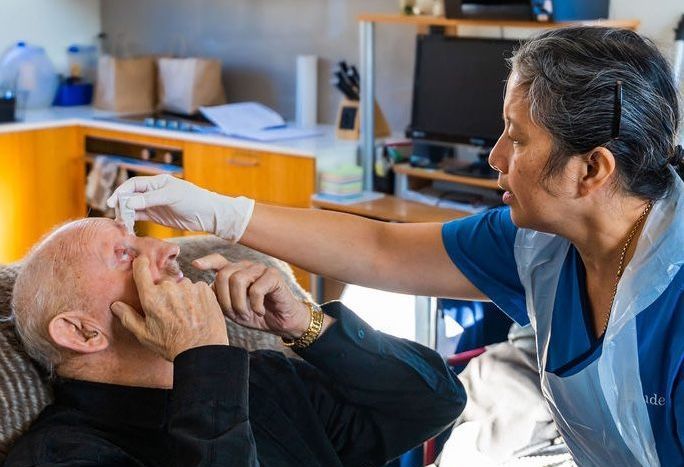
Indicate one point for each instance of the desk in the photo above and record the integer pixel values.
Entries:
(392, 209)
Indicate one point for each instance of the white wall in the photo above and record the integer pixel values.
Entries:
(52, 24)
(658, 18)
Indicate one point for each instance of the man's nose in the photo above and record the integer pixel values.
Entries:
(160, 254)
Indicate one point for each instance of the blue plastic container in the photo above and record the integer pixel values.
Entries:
(27, 70)
(70, 94)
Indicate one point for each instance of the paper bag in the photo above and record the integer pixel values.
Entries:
(126, 85)
(186, 84)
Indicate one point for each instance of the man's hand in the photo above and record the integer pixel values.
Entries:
(177, 316)
(256, 296)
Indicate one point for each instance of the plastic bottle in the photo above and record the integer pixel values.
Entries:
(29, 72)
(82, 62)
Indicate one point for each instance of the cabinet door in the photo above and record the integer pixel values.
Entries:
(41, 185)
(266, 177)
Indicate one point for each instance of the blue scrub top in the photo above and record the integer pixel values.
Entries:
(481, 246)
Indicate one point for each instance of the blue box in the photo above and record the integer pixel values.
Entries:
(69, 94)
(573, 10)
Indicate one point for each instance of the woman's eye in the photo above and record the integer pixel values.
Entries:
(514, 140)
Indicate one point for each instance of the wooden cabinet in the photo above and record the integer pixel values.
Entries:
(41, 185)
(266, 177)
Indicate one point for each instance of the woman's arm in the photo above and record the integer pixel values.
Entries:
(406, 258)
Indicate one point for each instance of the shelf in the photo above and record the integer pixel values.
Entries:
(434, 174)
(389, 18)
(393, 209)
(139, 169)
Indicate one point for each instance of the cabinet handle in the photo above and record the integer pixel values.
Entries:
(242, 161)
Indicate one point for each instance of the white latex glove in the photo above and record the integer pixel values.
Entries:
(173, 202)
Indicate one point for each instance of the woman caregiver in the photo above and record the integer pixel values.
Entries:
(588, 249)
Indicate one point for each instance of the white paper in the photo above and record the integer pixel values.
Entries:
(363, 197)
(234, 119)
(274, 134)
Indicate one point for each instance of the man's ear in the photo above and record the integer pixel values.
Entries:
(75, 331)
(596, 169)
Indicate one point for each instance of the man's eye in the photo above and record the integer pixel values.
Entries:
(125, 254)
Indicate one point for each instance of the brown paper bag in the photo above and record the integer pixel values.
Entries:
(186, 84)
(126, 85)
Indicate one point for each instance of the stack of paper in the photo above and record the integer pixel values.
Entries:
(342, 182)
(255, 121)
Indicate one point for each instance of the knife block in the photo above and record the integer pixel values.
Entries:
(348, 124)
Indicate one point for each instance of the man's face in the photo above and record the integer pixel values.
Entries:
(105, 266)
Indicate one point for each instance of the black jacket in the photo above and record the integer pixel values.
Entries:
(360, 398)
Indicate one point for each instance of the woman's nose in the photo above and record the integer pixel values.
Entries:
(498, 156)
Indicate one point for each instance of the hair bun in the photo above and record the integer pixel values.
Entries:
(677, 157)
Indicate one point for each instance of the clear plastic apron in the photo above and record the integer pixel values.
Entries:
(600, 411)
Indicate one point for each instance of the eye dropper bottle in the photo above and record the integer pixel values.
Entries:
(124, 214)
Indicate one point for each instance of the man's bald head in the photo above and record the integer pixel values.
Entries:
(50, 282)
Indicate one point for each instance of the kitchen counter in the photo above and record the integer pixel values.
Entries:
(326, 149)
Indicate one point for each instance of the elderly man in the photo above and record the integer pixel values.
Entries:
(145, 374)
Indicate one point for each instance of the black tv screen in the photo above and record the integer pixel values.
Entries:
(458, 89)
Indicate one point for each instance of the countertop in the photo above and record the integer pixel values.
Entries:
(327, 150)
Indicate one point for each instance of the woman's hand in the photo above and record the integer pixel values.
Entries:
(176, 203)
(177, 316)
(256, 296)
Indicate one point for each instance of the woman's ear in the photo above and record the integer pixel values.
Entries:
(74, 331)
(597, 168)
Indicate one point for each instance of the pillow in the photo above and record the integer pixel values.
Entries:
(24, 387)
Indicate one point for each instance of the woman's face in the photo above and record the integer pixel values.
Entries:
(520, 156)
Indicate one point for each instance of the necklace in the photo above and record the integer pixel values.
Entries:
(622, 261)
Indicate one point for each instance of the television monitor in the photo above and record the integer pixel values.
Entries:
(458, 89)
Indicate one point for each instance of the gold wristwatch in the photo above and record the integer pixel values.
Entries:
(312, 332)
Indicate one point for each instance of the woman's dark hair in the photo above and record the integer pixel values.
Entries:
(571, 76)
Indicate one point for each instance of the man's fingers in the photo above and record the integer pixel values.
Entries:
(222, 288)
(130, 319)
(142, 276)
(268, 282)
(240, 281)
(213, 261)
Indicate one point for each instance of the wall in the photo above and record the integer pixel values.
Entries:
(258, 41)
(53, 24)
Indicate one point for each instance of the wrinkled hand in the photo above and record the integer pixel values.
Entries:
(173, 202)
(256, 296)
(178, 316)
